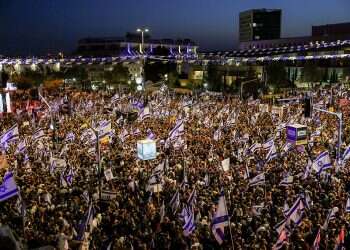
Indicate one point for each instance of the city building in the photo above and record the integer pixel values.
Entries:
(320, 34)
(131, 45)
(331, 30)
(259, 24)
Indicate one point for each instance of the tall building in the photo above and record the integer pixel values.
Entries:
(259, 24)
(337, 29)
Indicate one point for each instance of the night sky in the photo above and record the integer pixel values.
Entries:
(32, 27)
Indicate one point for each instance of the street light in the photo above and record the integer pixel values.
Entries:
(142, 31)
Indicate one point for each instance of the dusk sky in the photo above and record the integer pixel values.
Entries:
(30, 27)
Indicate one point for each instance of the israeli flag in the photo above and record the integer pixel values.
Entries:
(38, 134)
(322, 162)
(145, 113)
(69, 177)
(21, 147)
(253, 148)
(331, 216)
(189, 225)
(271, 154)
(115, 98)
(347, 207)
(286, 181)
(220, 220)
(10, 135)
(268, 144)
(104, 129)
(8, 187)
(287, 147)
(175, 202)
(178, 130)
(70, 137)
(296, 211)
(150, 134)
(257, 180)
(346, 154)
(192, 199)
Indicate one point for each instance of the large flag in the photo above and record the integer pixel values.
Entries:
(178, 130)
(8, 187)
(220, 220)
(322, 162)
(296, 211)
(192, 199)
(189, 225)
(104, 129)
(272, 153)
(10, 135)
(175, 202)
(257, 180)
(331, 216)
(87, 221)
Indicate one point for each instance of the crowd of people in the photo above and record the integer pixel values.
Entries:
(63, 174)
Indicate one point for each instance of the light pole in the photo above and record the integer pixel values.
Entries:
(142, 31)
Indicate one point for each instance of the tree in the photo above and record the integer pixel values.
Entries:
(276, 75)
(214, 78)
(311, 72)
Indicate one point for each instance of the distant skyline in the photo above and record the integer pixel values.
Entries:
(32, 27)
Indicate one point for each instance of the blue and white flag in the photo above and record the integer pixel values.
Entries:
(70, 137)
(192, 199)
(346, 154)
(322, 162)
(286, 181)
(253, 148)
(189, 225)
(331, 216)
(21, 147)
(178, 130)
(10, 135)
(268, 144)
(38, 134)
(347, 207)
(87, 221)
(257, 180)
(8, 188)
(137, 132)
(296, 211)
(175, 202)
(104, 129)
(220, 220)
(307, 170)
(144, 113)
(288, 147)
(150, 134)
(115, 98)
(69, 177)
